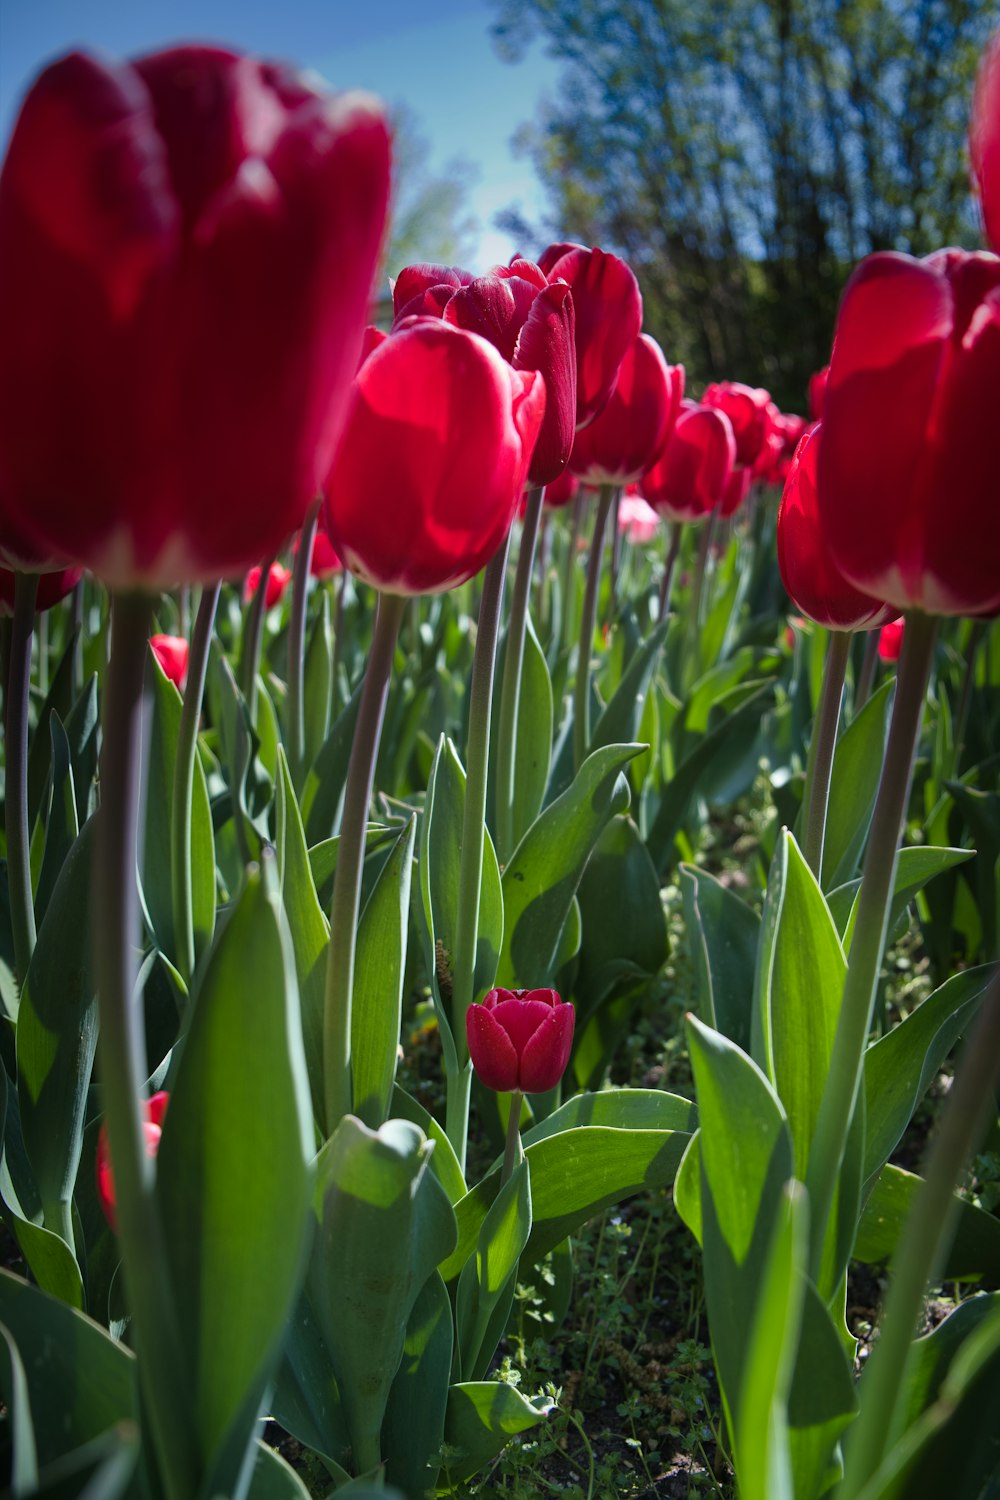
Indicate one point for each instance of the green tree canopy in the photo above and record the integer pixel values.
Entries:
(744, 155)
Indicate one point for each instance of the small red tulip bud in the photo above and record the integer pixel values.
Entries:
(520, 1039)
(171, 651)
(154, 1110)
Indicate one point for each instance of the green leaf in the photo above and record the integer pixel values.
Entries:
(413, 1429)
(482, 1418)
(157, 860)
(914, 868)
(900, 1066)
(377, 1011)
(58, 700)
(975, 1247)
(273, 1478)
(57, 1035)
(620, 720)
(710, 689)
(61, 825)
(487, 1279)
(724, 934)
(14, 1388)
(83, 733)
(543, 874)
(822, 1400)
(857, 767)
(385, 1223)
(533, 746)
(307, 926)
(234, 1156)
(624, 931)
(324, 788)
(444, 1162)
(317, 683)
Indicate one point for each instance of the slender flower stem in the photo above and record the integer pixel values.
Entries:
(822, 744)
(470, 874)
(923, 1244)
(867, 675)
(122, 1053)
(868, 943)
(42, 635)
(297, 642)
(22, 907)
(616, 551)
(569, 570)
(544, 548)
(250, 646)
(669, 569)
(581, 704)
(512, 1148)
(187, 750)
(346, 903)
(697, 604)
(510, 689)
(338, 637)
(962, 716)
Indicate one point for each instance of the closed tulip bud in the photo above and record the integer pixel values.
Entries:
(632, 430)
(153, 1111)
(687, 483)
(908, 466)
(984, 140)
(278, 579)
(520, 1039)
(51, 588)
(434, 456)
(607, 305)
(187, 247)
(749, 410)
(890, 639)
(811, 577)
(171, 651)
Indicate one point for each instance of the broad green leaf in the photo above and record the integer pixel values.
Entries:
(900, 1066)
(57, 1035)
(237, 1140)
(543, 874)
(323, 857)
(914, 868)
(14, 1389)
(385, 1223)
(49, 1258)
(444, 1162)
(724, 934)
(533, 745)
(377, 1010)
(273, 1478)
(413, 1429)
(59, 699)
(487, 1280)
(975, 1248)
(61, 825)
(857, 766)
(713, 686)
(821, 1400)
(617, 1109)
(267, 730)
(101, 1469)
(157, 860)
(482, 1418)
(324, 788)
(624, 930)
(619, 723)
(307, 926)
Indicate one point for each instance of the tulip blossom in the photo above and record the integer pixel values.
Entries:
(608, 308)
(890, 639)
(520, 1039)
(171, 651)
(908, 468)
(637, 519)
(808, 572)
(187, 246)
(435, 452)
(562, 491)
(325, 561)
(278, 579)
(153, 1111)
(817, 392)
(632, 430)
(688, 481)
(51, 588)
(984, 140)
(751, 412)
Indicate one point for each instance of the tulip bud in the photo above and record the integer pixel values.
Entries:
(153, 1110)
(890, 640)
(278, 579)
(689, 480)
(520, 1039)
(749, 410)
(171, 651)
(632, 430)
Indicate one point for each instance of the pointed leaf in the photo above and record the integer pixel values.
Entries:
(488, 1275)
(377, 1011)
(724, 934)
(482, 1418)
(857, 766)
(413, 1430)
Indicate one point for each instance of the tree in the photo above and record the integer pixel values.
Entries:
(744, 155)
(430, 217)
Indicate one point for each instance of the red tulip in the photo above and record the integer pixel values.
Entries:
(890, 639)
(813, 580)
(632, 430)
(325, 560)
(749, 409)
(187, 246)
(908, 469)
(817, 392)
(520, 1039)
(608, 308)
(984, 139)
(153, 1110)
(171, 651)
(51, 588)
(278, 579)
(688, 481)
(434, 456)
(562, 490)
(425, 289)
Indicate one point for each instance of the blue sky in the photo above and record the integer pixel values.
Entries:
(436, 59)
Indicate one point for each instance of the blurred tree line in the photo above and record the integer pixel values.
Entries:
(744, 154)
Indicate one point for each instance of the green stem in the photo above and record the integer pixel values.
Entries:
(581, 705)
(297, 642)
(822, 744)
(42, 634)
(616, 552)
(962, 717)
(923, 1244)
(346, 903)
(122, 1054)
(541, 587)
(868, 943)
(669, 569)
(184, 610)
(76, 625)
(22, 906)
(510, 689)
(470, 874)
(250, 646)
(867, 675)
(512, 1149)
(187, 751)
(569, 570)
(697, 604)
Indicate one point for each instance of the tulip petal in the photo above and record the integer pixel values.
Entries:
(546, 1053)
(493, 1054)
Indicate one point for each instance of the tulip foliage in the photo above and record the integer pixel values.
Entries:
(354, 827)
